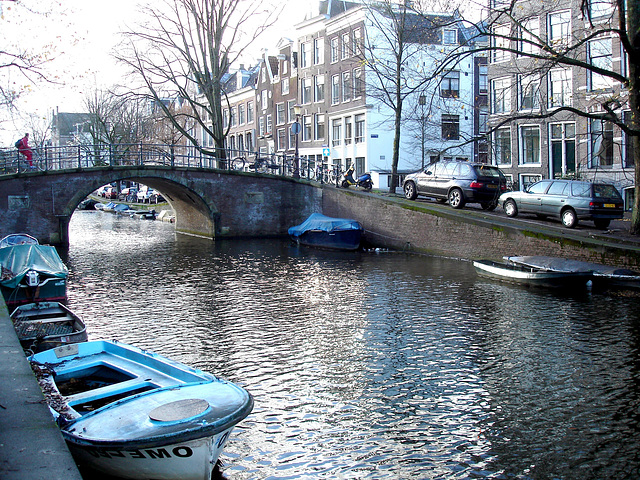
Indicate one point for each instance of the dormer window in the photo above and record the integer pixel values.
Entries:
(450, 36)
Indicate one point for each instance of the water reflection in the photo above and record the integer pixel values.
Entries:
(373, 365)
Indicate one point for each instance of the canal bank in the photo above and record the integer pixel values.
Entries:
(472, 234)
(31, 445)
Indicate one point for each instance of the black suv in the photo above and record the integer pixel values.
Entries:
(457, 182)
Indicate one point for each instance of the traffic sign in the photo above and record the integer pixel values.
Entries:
(326, 152)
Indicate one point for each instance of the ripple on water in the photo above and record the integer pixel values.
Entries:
(373, 365)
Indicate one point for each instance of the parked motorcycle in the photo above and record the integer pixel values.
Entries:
(363, 180)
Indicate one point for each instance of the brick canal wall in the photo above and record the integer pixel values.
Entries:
(425, 227)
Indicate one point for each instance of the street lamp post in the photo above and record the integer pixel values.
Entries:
(295, 129)
(422, 100)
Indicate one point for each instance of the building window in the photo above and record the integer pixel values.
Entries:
(280, 114)
(261, 126)
(500, 41)
(234, 117)
(335, 49)
(526, 180)
(599, 8)
(357, 42)
(449, 36)
(599, 52)
(502, 146)
(306, 129)
(346, 86)
(264, 95)
(282, 139)
(483, 85)
(225, 117)
(529, 92)
(450, 127)
(242, 117)
(249, 112)
(629, 159)
(304, 55)
(348, 131)
(560, 90)
(269, 125)
(360, 128)
(249, 141)
(319, 127)
(358, 83)
(530, 144)
(601, 143)
(319, 88)
(559, 28)
(344, 52)
(291, 112)
(336, 132)
(483, 120)
(563, 148)
(501, 95)
(529, 36)
(285, 86)
(318, 51)
(335, 89)
(450, 85)
(305, 90)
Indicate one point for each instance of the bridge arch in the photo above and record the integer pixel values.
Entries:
(207, 202)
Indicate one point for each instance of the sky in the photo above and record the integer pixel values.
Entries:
(79, 37)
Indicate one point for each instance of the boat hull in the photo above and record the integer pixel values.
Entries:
(338, 240)
(530, 276)
(49, 290)
(192, 460)
(603, 276)
(45, 325)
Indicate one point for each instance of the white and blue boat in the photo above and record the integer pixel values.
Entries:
(321, 231)
(134, 414)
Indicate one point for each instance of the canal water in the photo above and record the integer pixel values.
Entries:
(376, 365)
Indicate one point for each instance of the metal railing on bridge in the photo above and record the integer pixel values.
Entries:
(89, 156)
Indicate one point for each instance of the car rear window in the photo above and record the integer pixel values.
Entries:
(605, 191)
(487, 171)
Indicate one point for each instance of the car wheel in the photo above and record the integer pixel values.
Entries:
(569, 218)
(410, 191)
(510, 208)
(456, 198)
(490, 206)
(602, 224)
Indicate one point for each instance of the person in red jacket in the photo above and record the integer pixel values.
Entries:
(24, 149)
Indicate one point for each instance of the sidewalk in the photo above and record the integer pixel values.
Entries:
(31, 445)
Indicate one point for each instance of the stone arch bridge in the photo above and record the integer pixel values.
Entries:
(207, 202)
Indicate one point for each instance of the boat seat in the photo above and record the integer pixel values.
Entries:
(64, 318)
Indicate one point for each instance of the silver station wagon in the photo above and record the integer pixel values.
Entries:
(568, 200)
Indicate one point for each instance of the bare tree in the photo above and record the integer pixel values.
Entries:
(400, 70)
(184, 52)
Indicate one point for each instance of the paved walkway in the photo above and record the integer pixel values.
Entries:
(31, 445)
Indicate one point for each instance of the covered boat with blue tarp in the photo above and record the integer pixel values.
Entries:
(32, 273)
(327, 232)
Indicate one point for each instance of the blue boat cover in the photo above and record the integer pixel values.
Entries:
(317, 221)
(16, 261)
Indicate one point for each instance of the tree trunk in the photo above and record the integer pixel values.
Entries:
(633, 29)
